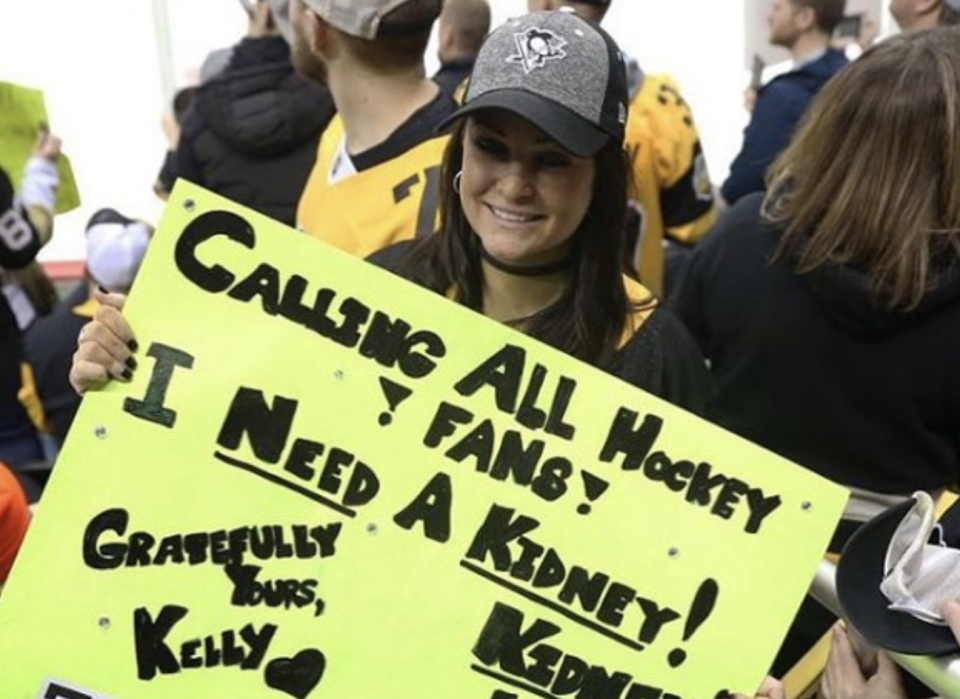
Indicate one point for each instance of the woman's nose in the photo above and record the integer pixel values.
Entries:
(516, 181)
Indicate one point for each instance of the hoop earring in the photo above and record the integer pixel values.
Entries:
(456, 181)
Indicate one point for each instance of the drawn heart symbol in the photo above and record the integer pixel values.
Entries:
(297, 676)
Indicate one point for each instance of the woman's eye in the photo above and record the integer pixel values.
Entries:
(491, 146)
(551, 160)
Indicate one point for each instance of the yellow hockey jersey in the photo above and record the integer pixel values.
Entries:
(672, 193)
(365, 211)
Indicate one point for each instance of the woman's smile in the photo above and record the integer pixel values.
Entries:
(523, 195)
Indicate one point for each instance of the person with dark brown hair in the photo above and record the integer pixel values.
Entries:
(828, 307)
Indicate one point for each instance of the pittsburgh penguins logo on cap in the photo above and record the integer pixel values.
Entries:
(536, 47)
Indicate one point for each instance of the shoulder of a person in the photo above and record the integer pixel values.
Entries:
(391, 257)
(738, 224)
(658, 107)
(333, 131)
(784, 86)
(651, 88)
(807, 77)
(192, 121)
(834, 59)
(661, 332)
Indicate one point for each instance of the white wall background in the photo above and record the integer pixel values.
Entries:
(99, 63)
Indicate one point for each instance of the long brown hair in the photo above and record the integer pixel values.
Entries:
(872, 178)
(587, 321)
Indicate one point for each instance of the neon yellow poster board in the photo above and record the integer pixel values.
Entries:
(22, 111)
(325, 482)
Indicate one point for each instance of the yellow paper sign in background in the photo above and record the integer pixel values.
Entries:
(325, 482)
(22, 112)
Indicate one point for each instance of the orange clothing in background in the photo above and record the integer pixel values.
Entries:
(14, 517)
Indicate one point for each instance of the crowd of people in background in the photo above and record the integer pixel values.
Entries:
(806, 304)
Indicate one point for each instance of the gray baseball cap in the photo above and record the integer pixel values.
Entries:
(558, 71)
(361, 18)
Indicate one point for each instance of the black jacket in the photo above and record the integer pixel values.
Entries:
(18, 246)
(49, 345)
(812, 367)
(251, 132)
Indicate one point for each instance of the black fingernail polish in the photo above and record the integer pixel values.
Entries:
(127, 374)
(133, 345)
(102, 289)
(131, 362)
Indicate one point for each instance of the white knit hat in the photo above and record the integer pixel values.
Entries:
(115, 248)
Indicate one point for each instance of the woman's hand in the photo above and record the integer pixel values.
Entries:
(105, 346)
(770, 689)
(950, 611)
(845, 679)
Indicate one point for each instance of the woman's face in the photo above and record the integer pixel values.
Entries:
(523, 195)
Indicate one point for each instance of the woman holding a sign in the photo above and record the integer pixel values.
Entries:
(534, 189)
(533, 192)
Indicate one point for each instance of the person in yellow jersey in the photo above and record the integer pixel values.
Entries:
(375, 178)
(672, 204)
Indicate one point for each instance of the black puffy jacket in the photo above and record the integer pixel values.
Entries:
(251, 132)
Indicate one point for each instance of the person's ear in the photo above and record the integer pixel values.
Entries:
(319, 33)
(445, 38)
(805, 18)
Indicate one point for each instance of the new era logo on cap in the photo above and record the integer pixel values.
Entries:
(537, 46)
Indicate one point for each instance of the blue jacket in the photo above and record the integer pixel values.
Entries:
(780, 105)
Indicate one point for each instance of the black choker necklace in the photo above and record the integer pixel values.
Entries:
(533, 270)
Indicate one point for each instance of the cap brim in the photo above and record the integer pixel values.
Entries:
(864, 605)
(563, 125)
